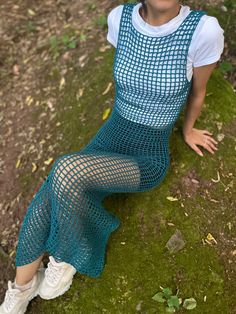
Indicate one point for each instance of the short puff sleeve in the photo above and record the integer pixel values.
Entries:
(209, 43)
(113, 22)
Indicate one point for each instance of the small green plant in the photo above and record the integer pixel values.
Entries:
(91, 7)
(69, 42)
(62, 43)
(172, 301)
(102, 21)
(82, 37)
(31, 27)
(225, 66)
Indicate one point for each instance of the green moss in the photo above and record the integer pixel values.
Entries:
(137, 262)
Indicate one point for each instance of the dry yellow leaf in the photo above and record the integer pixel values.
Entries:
(171, 198)
(104, 48)
(12, 252)
(107, 89)
(62, 83)
(29, 100)
(34, 167)
(211, 238)
(31, 12)
(80, 93)
(42, 141)
(66, 26)
(106, 113)
(26, 60)
(229, 224)
(218, 178)
(18, 163)
(48, 161)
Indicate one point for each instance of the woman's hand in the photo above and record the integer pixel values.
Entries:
(200, 137)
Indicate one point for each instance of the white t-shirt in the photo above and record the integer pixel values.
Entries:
(207, 42)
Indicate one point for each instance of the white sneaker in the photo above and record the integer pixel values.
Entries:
(57, 280)
(16, 301)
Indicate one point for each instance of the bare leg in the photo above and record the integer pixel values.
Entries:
(26, 272)
(66, 217)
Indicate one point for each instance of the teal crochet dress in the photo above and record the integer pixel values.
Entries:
(129, 153)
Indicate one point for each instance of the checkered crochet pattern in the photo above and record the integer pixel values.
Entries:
(151, 72)
(128, 154)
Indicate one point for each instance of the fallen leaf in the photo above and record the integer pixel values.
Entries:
(48, 161)
(229, 224)
(190, 303)
(31, 12)
(108, 88)
(34, 167)
(159, 297)
(62, 83)
(171, 198)
(50, 105)
(80, 93)
(209, 239)
(29, 100)
(12, 252)
(219, 125)
(18, 163)
(16, 69)
(220, 137)
(42, 141)
(218, 178)
(104, 48)
(106, 113)
(176, 242)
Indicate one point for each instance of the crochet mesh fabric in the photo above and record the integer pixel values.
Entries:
(128, 154)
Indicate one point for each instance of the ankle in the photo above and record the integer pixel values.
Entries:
(22, 283)
(23, 287)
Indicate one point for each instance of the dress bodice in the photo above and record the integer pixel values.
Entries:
(150, 72)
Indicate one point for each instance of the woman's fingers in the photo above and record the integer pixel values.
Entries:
(208, 147)
(197, 150)
(211, 139)
(206, 132)
(208, 143)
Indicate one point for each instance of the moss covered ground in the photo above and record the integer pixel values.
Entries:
(137, 261)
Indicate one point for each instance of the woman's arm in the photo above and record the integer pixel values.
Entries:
(191, 135)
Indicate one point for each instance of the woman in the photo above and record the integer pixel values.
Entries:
(165, 55)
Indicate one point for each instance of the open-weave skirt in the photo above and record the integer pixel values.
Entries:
(66, 217)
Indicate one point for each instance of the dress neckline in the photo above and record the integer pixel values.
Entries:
(143, 28)
(154, 36)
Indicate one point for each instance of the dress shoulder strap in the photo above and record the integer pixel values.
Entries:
(124, 21)
(191, 21)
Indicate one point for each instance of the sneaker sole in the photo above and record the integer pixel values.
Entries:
(23, 311)
(60, 292)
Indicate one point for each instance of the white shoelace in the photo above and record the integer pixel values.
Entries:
(53, 273)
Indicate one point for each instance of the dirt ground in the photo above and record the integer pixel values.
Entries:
(27, 55)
